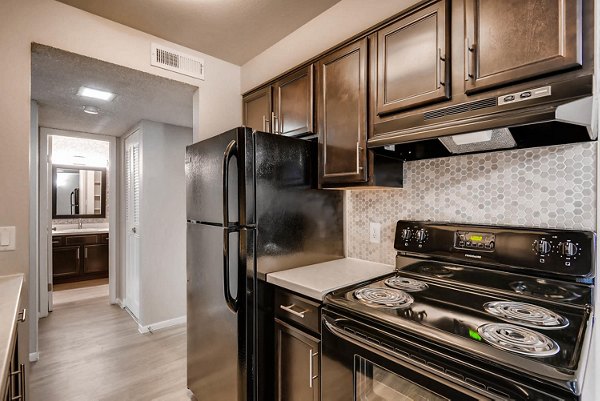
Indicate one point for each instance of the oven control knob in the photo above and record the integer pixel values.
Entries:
(543, 247)
(421, 235)
(406, 234)
(567, 249)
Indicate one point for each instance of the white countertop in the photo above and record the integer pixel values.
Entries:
(90, 230)
(316, 280)
(10, 293)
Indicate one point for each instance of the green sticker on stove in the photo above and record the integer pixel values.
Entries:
(474, 335)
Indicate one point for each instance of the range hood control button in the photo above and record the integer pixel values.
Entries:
(509, 98)
(525, 95)
(543, 247)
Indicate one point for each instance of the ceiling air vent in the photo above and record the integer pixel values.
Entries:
(176, 61)
(460, 108)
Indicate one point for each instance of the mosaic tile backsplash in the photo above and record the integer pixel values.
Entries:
(539, 187)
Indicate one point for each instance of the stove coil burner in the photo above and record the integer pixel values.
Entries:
(406, 284)
(526, 314)
(379, 296)
(548, 291)
(517, 339)
(437, 271)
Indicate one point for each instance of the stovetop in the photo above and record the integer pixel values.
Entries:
(499, 322)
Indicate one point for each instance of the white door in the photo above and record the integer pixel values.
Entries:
(132, 219)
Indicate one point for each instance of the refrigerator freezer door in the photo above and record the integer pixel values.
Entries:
(204, 172)
(216, 335)
(298, 225)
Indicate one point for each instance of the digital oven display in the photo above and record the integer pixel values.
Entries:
(475, 240)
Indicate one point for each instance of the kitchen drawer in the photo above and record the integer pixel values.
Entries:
(81, 239)
(297, 309)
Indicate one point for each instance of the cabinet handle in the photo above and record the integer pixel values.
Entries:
(85, 252)
(468, 60)
(265, 122)
(56, 242)
(78, 253)
(311, 375)
(293, 312)
(274, 123)
(441, 75)
(359, 149)
(21, 386)
(23, 315)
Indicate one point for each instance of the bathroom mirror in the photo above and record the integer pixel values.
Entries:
(78, 192)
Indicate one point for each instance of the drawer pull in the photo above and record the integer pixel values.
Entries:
(23, 315)
(293, 312)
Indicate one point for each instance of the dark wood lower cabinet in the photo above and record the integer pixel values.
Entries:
(297, 364)
(79, 257)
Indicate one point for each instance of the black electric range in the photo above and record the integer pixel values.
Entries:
(472, 312)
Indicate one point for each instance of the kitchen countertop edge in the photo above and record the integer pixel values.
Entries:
(317, 280)
(12, 285)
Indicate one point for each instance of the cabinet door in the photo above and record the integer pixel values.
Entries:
(342, 115)
(257, 110)
(95, 258)
(297, 364)
(412, 65)
(511, 40)
(293, 103)
(66, 261)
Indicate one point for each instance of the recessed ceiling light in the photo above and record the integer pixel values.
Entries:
(96, 94)
(91, 109)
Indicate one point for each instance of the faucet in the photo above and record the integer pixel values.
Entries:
(80, 224)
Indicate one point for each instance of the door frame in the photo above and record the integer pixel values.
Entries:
(45, 214)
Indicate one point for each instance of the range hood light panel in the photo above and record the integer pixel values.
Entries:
(473, 137)
(480, 141)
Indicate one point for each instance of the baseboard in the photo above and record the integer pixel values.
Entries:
(162, 325)
(34, 357)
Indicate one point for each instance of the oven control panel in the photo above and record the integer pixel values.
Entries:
(477, 240)
(552, 252)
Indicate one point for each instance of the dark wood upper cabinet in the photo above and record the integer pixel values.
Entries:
(412, 60)
(342, 114)
(293, 103)
(512, 40)
(257, 110)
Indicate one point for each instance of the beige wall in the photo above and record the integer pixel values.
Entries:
(55, 24)
(340, 22)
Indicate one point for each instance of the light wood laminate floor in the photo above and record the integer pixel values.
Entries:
(92, 351)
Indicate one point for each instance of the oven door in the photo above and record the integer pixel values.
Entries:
(357, 367)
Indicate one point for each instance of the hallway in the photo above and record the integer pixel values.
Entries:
(92, 351)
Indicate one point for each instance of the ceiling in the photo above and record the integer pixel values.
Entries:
(56, 76)
(232, 30)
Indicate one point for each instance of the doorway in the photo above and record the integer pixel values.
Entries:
(76, 188)
(81, 98)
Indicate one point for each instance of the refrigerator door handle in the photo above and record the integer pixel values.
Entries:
(230, 151)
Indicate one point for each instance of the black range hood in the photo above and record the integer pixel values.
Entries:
(538, 116)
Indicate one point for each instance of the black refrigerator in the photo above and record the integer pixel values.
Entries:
(252, 208)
